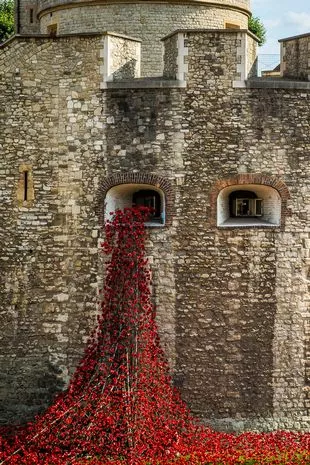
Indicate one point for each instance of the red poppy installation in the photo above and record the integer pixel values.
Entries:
(120, 407)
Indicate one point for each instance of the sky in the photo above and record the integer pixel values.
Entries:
(282, 18)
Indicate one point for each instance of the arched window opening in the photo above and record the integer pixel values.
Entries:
(128, 195)
(250, 205)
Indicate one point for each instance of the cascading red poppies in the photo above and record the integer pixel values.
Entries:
(120, 406)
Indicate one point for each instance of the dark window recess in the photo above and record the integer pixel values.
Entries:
(52, 30)
(148, 198)
(31, 15)
(245, 204)
(232, 26)
(26, 182)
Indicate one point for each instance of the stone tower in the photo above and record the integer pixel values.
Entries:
(26, 19)
(105, 105)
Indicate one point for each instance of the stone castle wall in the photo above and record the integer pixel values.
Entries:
(49, 258)
(51, 266)
(232, 303)
(148, 22)
(245, 277)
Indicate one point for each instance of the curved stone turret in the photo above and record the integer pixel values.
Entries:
(145, 20)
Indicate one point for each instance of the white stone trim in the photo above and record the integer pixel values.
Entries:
(105, 67)
(182, 67)
(239, 84)
(282, 62)
(138, 68)
(242, 67)
(107, 58)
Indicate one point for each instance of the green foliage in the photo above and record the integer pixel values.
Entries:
(256, 26)
(6, 19)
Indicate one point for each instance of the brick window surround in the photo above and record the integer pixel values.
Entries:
(138, 178)
(250, 179)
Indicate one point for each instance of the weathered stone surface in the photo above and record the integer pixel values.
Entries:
(232, 303)
(49, 255)
(295, 53)
(145, 20)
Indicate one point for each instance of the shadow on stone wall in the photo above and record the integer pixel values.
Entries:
(23, 397)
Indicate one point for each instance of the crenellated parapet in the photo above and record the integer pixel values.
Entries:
(233, 51)
(147, 21)
(228, 54)
(121, 58)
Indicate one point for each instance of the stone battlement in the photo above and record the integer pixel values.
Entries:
(149, 21)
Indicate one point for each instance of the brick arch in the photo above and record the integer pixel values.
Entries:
(250, 178)
(137, 178)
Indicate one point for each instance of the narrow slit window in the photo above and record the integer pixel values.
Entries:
(26, 183)
(31, 15)
(25, 186)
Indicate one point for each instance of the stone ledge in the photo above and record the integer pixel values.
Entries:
(249, 226)
(116, 34)
(26, 37)
(144, 84)
(208, 31)
(301, 36)
(276, 84)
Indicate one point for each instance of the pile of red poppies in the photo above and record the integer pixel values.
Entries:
(120, 407)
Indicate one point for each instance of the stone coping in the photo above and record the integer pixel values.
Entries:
(64, 36)
(48, 36)
(44, 6)
(301, 36)
(144, 83)
(153, 83)
(219, 31)
(116, 34)
(280, 83)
